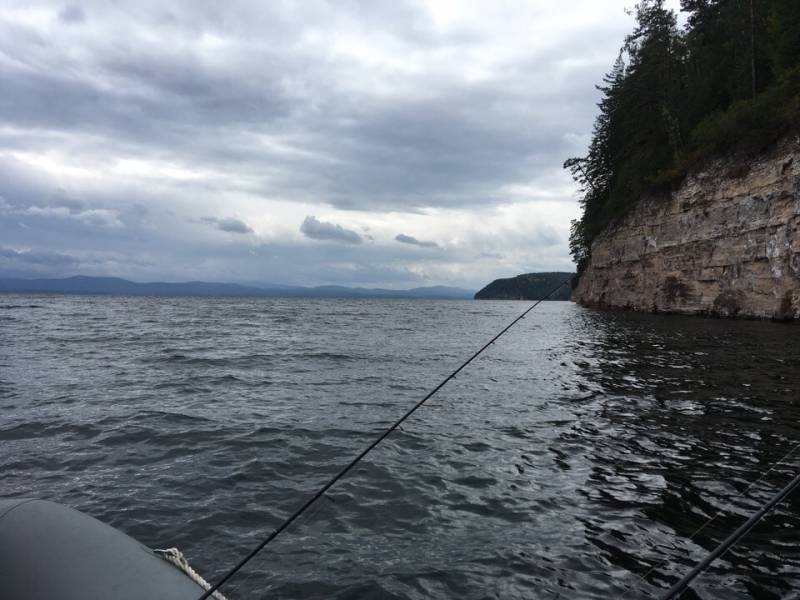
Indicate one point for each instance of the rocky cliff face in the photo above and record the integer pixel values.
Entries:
(725, 243)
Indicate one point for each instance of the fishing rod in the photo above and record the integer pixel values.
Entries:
(317, 495)
(731, 540)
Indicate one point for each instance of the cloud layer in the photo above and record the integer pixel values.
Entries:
(410, 239)
(228, 224)
(192, 139)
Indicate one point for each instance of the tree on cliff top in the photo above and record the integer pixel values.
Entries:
(675, 99)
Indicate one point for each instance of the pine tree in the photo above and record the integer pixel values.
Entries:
(594, 173)
(783, 33)
(729, 82)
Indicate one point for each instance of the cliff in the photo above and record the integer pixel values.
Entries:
(530, 286)
(725, 243)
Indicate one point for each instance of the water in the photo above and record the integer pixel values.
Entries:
(580, 451)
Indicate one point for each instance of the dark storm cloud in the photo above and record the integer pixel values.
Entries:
(320, 230)
(228, 224)
(409, 239)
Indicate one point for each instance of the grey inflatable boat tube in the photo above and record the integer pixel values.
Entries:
(49, 551)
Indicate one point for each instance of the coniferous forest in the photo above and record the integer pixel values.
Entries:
(676, 97)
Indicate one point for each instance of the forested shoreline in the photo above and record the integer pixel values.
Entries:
(726, 82)
(528, 286)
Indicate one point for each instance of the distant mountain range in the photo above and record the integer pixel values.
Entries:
(114, 285)
(530, 286)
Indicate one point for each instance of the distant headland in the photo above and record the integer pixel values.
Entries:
(529, 286)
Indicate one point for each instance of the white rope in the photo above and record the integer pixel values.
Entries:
(176, 558)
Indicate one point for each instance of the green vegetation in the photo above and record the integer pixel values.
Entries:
(729, 82)
(530, 286)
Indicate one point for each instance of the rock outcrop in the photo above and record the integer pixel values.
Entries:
(725, 243)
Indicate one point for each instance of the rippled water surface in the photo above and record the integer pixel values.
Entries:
(580, 452)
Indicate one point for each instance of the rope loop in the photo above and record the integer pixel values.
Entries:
(176, 558)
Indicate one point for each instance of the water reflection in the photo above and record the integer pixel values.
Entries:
(693, 411)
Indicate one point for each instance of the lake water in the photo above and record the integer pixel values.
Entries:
(583, 449)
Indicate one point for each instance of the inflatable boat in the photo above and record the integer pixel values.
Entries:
(50, 551)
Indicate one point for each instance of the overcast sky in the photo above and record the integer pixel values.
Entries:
(397, 144)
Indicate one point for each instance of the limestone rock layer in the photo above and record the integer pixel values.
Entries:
(725, 243)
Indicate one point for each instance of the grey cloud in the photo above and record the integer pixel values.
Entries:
(409, 239)
(38, 258)
(322, 230)
(35, 202)
(72, 14)
(37, 199)
(441, 142)
(99, 217)
(228, 224)
(46, 263)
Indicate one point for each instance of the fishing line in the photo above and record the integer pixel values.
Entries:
(316, 496)
(714, 555)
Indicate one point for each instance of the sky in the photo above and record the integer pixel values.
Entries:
(396, 143)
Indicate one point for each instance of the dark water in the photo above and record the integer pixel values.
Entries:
(580, 451)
